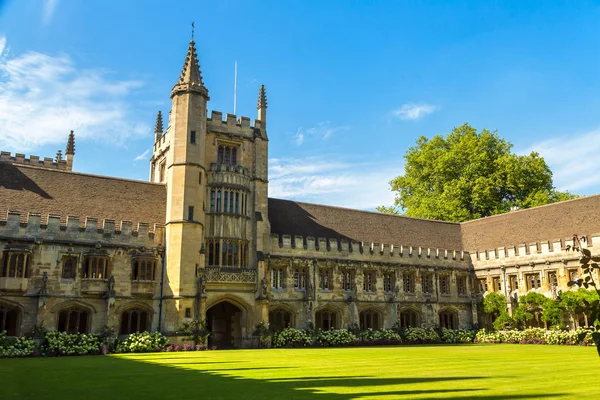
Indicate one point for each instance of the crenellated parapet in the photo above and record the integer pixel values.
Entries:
(73, 229)
(298, 246)
(535, 252)
(34, 161)
(233, 125)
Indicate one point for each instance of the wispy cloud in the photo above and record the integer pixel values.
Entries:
(342, 183)
(412, 111)
(42, 97)
(573, 160)
(2, 45)
(48, 11)
(322, 130)
(142, 156)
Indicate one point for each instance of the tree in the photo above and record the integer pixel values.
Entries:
(196, 331)
(468, 175)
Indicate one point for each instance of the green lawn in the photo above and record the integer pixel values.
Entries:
(413, 372)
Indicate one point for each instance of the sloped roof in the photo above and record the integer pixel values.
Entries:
(550, 222)
(305, 219)
(49, 191)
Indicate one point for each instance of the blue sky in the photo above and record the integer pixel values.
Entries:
(351, 85)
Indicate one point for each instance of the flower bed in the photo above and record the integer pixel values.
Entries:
(16, 347)
(580, 336)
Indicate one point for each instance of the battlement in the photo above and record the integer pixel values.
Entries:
(539, 249)
(57, 228)
(232, 124)
(296, 244)
(34, 161)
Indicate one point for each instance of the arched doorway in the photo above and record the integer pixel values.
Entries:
(224, 322)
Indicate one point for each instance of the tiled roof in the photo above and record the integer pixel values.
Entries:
(50, 191)
(549, 222)
(296, 218)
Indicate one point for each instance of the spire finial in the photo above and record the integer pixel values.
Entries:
(190, 72)
(59, 156)
(158, 128)
(262, 98)
(193, 28)
(71, 144)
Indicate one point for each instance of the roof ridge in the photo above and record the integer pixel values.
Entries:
(88, 174)
(367, 211)
(532, 208)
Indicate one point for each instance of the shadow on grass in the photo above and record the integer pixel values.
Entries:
(113, 378)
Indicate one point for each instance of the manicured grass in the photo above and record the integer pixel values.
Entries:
(492, 371)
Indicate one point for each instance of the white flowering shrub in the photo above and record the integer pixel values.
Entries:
(16, 347)
(421, 335)
(580, 336)
(457, 335)
(291, 337)
(381, 337)
(335, 338)
(143, 343)
(65, 344)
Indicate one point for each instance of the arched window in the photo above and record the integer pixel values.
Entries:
(370, 319)
(16, 264)
(227, 155)
(69, 269)
(409, 319)
(95, 267)
(10, 317)
(280, 319)
(73, 320)
(448, 320)
(134, 320)
(327, 319)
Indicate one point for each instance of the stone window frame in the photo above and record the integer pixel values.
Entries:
(389, 282)
(348, 279)
(513, 281)
(574, 274)
(69, 258)
(142, 314)
(497, 284)
(427, 283)
(227, 154)
(325, 279)
(552, 276)
(16, 263)
(286, 318)
(92, 263)
(408, 282)
(444, 282)
(278, 276)
(461, 285)
(8, 310)
(300, 278)
(370, 319)
(143, 262)
(370, 281)
(533, 284)
(220, 256)
(330, 315)
(409, 316)
(82, 315)
(448, 319)
(482, 285)
(227, 201)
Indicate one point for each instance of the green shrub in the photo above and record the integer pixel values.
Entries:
(335, 338)
(421, 335)
(381, 337)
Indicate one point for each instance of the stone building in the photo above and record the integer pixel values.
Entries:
(202, 240)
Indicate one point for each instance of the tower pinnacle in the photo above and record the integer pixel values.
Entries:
(71, 144)
(158, 129)
(262, 98)
(190, 78)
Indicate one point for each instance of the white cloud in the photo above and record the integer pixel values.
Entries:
(42, 97)
(340, 183)
(48, 11)
(2, 44)
(573, 160)
(322, 130)
(412, 111)
(142, 156)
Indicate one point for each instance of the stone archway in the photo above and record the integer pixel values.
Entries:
(224, 321)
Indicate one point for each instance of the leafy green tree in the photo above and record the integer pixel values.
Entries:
(573, 301)
(468, 175)
(196, 331)
(494, 304)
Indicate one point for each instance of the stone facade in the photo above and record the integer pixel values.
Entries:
(202, 240)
